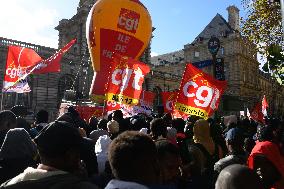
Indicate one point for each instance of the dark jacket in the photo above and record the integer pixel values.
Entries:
(63, 181)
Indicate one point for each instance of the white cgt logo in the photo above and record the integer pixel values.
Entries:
(211, 98)
(126, 74)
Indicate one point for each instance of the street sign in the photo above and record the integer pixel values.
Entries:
(213, 45)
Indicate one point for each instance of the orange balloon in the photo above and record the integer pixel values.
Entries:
(115, 26)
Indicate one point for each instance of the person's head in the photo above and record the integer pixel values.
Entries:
(168, 119)
(230, 121)
(93, 123)
(67, 117)
(265, 133)
(7, 120)
(113, 127)
(117, 115)
(234, 140)
(158, 128)
(102, 124)
(17, 144)
(178, 124)
(249, 143)
(133, 157)
(238, 177)
(169, 160)
(41, 117)
(73, 111)
(201, 130)
(59, 146)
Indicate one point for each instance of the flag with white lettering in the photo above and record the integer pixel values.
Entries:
(126, 79)
(19, 60)
(199, 93)
(168, 99)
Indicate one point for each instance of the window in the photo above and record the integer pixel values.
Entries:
(196, 54)
(222, 51)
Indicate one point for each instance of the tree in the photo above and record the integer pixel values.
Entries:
(262, 27)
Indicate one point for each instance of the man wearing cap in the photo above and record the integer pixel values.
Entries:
(59, 146)
(236, 155)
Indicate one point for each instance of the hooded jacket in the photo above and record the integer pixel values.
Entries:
(101, 150)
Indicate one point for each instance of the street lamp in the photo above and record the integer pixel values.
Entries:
(213, 47)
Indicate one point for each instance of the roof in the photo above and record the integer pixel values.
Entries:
(217, 27)
(169, 58)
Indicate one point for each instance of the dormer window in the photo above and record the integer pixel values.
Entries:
(196, 54)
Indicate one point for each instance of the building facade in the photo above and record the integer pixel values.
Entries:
(246, 83)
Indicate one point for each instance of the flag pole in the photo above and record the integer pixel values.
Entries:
(2, 97)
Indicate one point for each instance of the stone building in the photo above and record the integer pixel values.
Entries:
(76, 73)
(246, 83)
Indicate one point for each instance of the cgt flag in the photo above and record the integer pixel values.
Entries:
(52, 64)
(199, 93)
(19, 60)
(168, 99)
(125, 80)
(257, 114)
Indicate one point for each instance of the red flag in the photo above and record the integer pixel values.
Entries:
(125, 80)
(199, 93)
(52, 64)
(19, 60)
(168, 99)
(264, 106)
(264, 102)
(257, 114)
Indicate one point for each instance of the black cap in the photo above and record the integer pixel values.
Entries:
(57, 138)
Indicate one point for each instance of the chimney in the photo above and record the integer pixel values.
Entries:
(234, 17)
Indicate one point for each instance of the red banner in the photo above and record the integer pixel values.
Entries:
(52, 64)
(145, 105)
(257, 114)
(199, 93)
(19, 60)
(86, 112)
(168, 99)
(126, 79)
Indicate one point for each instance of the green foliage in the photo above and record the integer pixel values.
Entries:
(262, 27)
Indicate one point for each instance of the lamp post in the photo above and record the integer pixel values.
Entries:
(213, 47)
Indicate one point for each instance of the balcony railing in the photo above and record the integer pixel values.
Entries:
(40, 49)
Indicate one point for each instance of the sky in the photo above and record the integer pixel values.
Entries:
(177, 22)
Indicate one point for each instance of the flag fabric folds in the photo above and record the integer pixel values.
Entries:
(256, 114)
(19, 60)
(52, 64)
(126, 77)
(22, 61)
(199, 93)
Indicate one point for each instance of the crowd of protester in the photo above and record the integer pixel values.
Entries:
(141, 152)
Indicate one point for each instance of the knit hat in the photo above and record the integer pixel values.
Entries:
(57, 138)
(113, 127)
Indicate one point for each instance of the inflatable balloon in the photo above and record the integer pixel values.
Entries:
(115, 26)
